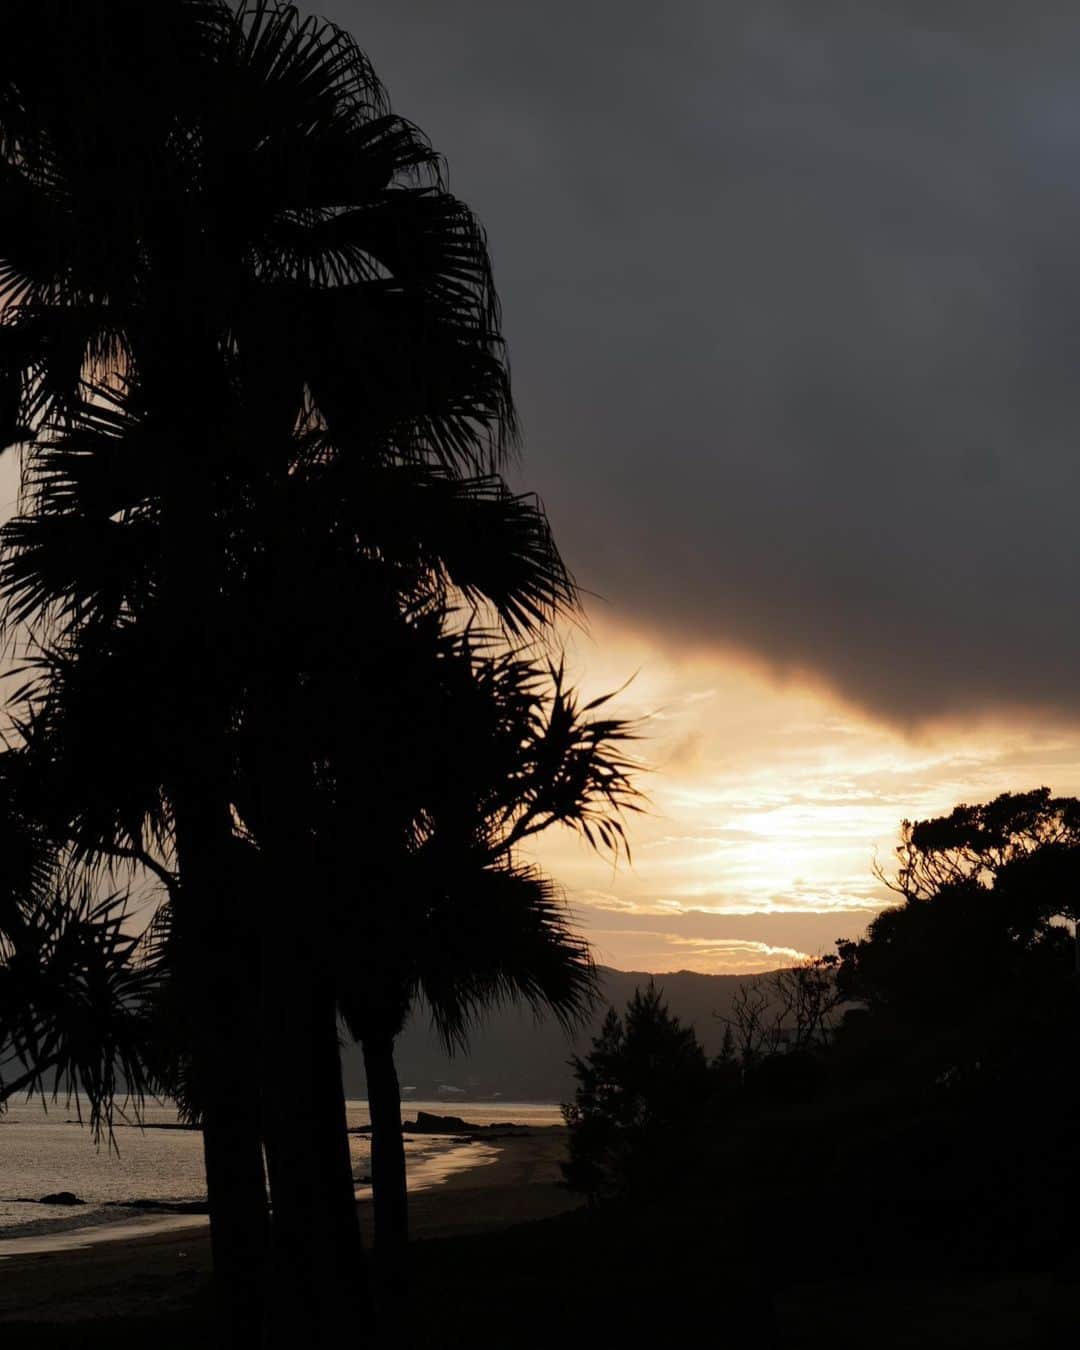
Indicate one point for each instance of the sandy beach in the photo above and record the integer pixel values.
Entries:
(514, 1180)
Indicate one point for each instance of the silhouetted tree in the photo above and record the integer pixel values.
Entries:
(806, 998)
(979, 842)
(508, 750)
(780, 1022)
(753, 1024)
(976, 961)
(726, 1071)
(644, 1082)
(503, 937)
(223, 259)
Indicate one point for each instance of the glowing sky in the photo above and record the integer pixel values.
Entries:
(770, 800)
(793, 301)
(792, 295)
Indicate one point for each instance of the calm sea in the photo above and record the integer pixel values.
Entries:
(42, 1153)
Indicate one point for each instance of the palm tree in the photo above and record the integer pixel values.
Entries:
(107, 685)
(504, 938)
(236, 237)
(348, 296)
(507, 750)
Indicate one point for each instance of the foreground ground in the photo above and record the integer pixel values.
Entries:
(502, 1254)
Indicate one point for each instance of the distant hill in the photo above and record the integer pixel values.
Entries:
(519, 1059)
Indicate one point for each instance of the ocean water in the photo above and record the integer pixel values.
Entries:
(46, 1151)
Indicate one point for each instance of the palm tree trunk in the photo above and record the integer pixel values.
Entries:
(335, 1158)
(236, 1188)
(216, 966)
(213, 968)
(318, 1289)
(324, 1156)
(388, 1175)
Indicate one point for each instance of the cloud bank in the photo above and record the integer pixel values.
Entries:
(794, 309)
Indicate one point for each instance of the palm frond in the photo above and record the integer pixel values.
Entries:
(506, 937)
(73, 997)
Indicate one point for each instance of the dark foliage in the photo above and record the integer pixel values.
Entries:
(645, 1081)
(250, 347)
(976, 965)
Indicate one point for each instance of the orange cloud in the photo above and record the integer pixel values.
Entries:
(768, 800)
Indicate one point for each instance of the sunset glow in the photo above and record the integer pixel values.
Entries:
(770, 802)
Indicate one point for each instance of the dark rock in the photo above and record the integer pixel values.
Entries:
(61, 1198)
(427, 1122)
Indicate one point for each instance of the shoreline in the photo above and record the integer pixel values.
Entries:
(155, 1270)
(439, 1157)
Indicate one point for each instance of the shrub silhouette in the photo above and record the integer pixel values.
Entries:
(645, 1079)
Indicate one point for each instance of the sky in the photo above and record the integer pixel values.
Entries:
(792, 295)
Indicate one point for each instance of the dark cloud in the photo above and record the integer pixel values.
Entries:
(794, 309)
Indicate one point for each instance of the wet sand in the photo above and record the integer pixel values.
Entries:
(519, 1184)
(508, 1181)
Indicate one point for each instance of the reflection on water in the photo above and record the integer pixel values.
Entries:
(42, 1153)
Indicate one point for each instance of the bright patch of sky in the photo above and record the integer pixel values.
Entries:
(770, 802)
